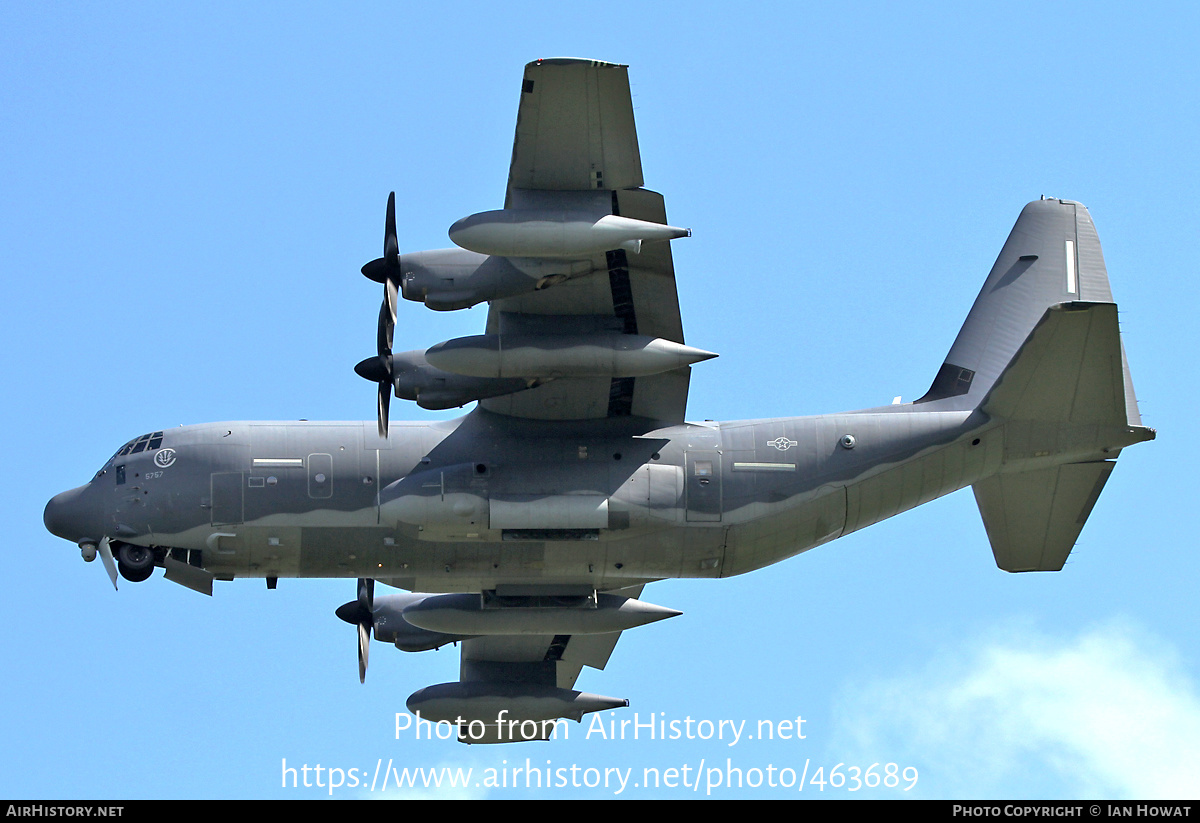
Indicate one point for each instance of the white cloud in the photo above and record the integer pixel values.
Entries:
(1107, 714)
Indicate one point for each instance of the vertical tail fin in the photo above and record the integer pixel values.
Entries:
(1052, 256)
(1041, 354)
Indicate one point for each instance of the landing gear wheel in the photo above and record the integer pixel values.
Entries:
(135, 563)
(134, 575)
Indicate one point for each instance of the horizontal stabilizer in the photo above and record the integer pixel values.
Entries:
(1033, 518)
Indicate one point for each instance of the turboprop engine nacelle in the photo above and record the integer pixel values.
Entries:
(555, 233)
(390, 626)
(432, 388)
(449, 279)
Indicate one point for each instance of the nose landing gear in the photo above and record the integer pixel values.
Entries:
(135, 563)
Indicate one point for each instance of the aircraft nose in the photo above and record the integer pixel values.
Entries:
(72, 516)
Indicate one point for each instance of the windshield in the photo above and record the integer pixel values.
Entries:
(147, 442)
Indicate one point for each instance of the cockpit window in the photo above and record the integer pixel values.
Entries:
(145, 443)
(141, 444)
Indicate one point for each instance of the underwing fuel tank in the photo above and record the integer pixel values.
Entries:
(562, 355)
(493, 702)
(555, 233)
(468, 614)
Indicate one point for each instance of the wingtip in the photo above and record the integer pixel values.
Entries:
(575, 61)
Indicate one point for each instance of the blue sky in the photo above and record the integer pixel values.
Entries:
(188, 196)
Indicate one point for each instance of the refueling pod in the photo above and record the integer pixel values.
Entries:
(484, 702)
(601, 354)
(471, 614)
(567, 235)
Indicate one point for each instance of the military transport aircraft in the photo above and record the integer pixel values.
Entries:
(526, 530)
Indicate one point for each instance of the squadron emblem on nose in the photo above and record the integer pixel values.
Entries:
(164, 458)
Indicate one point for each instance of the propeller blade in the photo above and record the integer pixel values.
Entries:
(364, 651)
(384, 343)
(385, 268)
(381, 409)
(391, 248)
(387, 327)
(390, 296)
(391, 257)
(110, 565)
(366, 621)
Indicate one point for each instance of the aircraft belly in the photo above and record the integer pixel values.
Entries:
(636, 555)
(793, 484)
(342, 552)
(806, 522)
(278, 545)
(274, 551)
(926, 477)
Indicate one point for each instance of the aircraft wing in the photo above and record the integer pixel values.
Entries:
(575, 142)
(574, 129)
(592, 332)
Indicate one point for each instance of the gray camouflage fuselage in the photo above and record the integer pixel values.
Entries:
(607, 506)
(574, 481)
